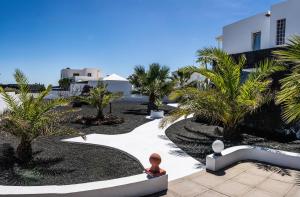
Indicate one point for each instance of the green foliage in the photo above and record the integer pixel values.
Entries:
(64, 83)
(289, 95)
(100, 97)
(229, 100)
(181, 77)
(29, 117)
(153, 82)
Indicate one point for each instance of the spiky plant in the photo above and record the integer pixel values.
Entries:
(153, 83)
(28, 117)
(289, 95)
(228, 100)
(181, 78)
(100, 97)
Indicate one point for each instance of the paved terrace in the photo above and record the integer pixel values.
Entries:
(244, 179)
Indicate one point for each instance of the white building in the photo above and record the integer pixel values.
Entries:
(77, 75)
(266, 30)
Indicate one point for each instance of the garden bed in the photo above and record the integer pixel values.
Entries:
(134, 115)
(61, 163)
(196, 139)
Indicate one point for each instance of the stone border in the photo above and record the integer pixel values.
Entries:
(138, 185)
(240, 153)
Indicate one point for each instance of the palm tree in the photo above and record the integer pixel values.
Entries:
(289, 95)
(181, 77)
(100, 97)
(28, 117)
(153, 83)
(228, 100)
(64, 83)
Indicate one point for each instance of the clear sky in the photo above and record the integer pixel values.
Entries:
(43, 36)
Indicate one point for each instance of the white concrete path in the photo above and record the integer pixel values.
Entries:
(145, 140)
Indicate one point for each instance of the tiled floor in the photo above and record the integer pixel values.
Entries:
(244, 179)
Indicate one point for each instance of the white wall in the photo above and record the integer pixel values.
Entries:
(237, 37)
(290, 10)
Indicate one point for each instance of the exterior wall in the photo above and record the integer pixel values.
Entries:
(290, 11)
(237, 37)
(83, 74)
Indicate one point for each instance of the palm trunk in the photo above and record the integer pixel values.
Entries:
(151, 104)
(230, 133)
(24, 151)
(100, 115)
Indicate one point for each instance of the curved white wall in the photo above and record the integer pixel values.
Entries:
(241, 153)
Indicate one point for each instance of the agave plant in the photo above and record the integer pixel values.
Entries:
(100, 97)
(27, 117)
(228, 100)
(289, 95)
(153, 83)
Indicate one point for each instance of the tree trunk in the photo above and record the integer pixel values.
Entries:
(24, 151)
(151, 104)
(230, 133)
(100, 115)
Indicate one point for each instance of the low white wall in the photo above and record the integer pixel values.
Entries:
(240, 153)
(138, 185)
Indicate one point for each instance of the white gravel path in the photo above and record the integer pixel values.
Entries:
(145, 140)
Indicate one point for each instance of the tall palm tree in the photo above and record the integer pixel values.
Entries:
(27, 117)
(228, 100)
(289, 95)
(153, 83)
(181, 77)
(100, 97)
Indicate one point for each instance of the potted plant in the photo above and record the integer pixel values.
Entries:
(157, 112)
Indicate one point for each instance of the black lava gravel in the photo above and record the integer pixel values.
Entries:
(196, 139)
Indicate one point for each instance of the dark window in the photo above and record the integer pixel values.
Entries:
(256, 42)
(75, 74)
(89, 74)
(280, 32)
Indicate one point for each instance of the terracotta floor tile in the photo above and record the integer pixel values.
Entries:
(211, 193)
(187, 188)
(260, 193)
(209, 180)
(276, 187)
(232, 188)
(249, 179)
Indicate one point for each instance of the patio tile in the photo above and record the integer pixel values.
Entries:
(187, 188)
(249, 179)
(285, 176)
(294, 192)
(233, 171)
(209, 180)
(260, 193)
(211, 193)
(259, 171)
(276, 187)
(232, 188)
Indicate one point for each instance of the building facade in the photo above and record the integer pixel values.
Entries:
(77, 75)
(263, 31)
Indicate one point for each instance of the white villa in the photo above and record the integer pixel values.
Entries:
(77, 75)
(267, 30)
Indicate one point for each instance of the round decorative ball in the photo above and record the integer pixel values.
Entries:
(155, 159)
(218, 146)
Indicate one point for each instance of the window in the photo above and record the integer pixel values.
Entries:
(256, 41)
(89, 74)
(75, 74)
(280, 33)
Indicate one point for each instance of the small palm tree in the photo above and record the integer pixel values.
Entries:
(153, 83)
(100, 97)
(228, 100)
(27, 117)
(289, 95)
(181, 77)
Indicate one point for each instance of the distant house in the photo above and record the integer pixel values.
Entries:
(259, 35)
(78, 75)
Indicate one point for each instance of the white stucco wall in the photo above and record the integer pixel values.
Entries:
(237, 37)
(290, 10)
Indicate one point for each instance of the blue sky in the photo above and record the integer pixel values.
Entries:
(43, 36)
